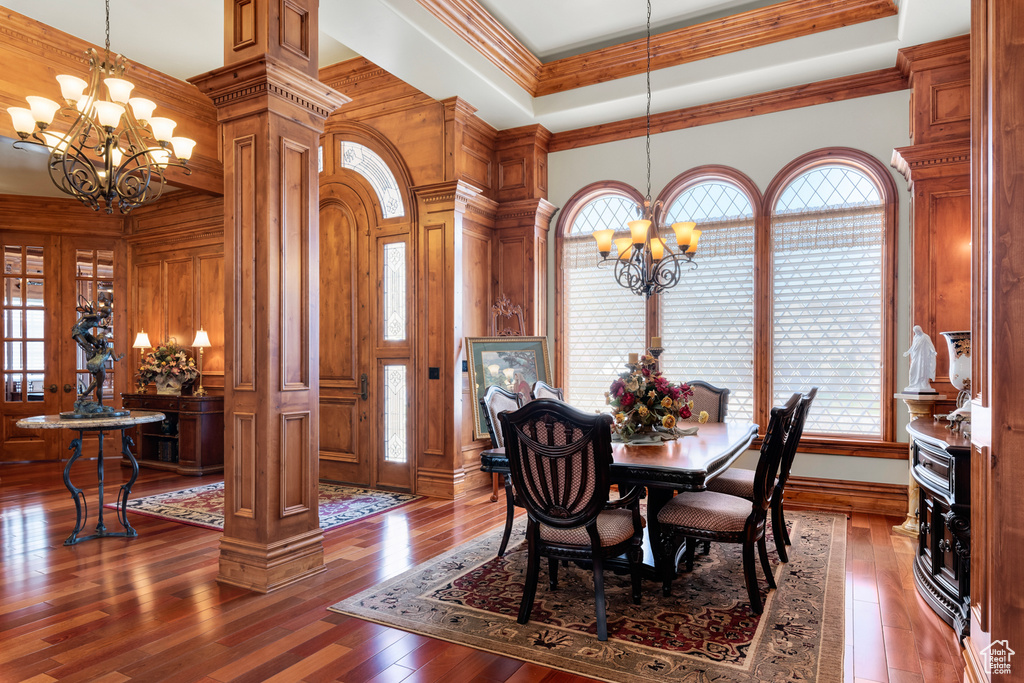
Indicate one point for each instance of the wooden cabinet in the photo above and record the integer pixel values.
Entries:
(942, 468)
(189, 441)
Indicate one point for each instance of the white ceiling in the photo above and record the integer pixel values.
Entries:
(184, 38)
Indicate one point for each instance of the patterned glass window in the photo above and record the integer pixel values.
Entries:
(828, 228)
(396, 394)
(24, 323)
(707, 321)
(368, 164)
(394, 291)
(604, 322)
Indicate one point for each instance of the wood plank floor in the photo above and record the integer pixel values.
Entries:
(150, 609)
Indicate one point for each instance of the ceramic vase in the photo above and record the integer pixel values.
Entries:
(959, 344)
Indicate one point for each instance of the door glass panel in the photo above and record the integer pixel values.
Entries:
(34, 292)
(35, 387)
(33, 260)
(12, 260)
(105, 264)
(12, 387)
(94, 273)
(395, 417)
(34, 359)
(394, 291)
(13, 357)
(12, 323)
(35, 323)
(83, 265)
(12, 291)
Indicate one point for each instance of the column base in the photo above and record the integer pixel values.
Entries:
(908, 528)
(266, 568)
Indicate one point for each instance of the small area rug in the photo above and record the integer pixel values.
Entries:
(204, 505)
(704, 632)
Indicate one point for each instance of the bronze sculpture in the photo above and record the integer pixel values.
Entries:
(92, 334)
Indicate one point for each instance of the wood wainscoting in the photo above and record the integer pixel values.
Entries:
(835, 495)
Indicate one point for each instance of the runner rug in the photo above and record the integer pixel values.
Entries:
(704, 632)
(204, 505)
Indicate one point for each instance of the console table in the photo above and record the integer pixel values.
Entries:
(98, 425)
(191, 438)
(942, 468)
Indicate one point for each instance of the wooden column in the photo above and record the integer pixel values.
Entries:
(272, 110)
(997, 331)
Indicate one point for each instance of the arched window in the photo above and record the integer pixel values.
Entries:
(601, 322)
(368, 164)
(707, 321)
(829, 229)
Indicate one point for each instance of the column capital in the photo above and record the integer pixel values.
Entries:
(263, 83)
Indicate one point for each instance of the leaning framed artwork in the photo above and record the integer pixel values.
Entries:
(512, 363)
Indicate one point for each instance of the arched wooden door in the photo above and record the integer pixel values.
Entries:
(365, 342)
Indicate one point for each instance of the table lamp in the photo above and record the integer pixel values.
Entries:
(202, 341)
(141, 342)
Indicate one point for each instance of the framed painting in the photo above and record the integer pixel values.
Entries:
(512, 363)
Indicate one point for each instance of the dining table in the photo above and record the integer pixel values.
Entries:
(686, 463)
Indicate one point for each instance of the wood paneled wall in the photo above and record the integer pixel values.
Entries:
(177, 275)
(937, 167)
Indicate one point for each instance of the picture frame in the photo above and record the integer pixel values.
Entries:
(513, 363)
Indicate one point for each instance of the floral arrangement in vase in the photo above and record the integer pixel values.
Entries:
(645, 401)
(168, 366)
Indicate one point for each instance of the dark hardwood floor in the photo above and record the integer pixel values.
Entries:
(150, 609)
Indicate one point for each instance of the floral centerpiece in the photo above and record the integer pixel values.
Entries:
(170, 367)
(645, 401)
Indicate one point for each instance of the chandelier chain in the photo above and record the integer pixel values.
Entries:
(648, 100)
(106, 45)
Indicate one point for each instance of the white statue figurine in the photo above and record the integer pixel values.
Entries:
(922, 363)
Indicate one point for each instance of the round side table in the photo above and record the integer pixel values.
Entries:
(98, 425)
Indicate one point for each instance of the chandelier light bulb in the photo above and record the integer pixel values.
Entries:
(109, 113)
(142, 108)
(120, 90)
(43, 109)
(183, 147)
(657, 248)
(638, 229)
(682, 231)
(23, 120)
(624, 245)
(163, 128)
(71, 87)
(604, 240)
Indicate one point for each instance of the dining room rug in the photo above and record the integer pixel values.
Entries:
(704, 632)
(203, 506)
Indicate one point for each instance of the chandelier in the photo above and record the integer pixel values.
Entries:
(645, 264)
(112, 150)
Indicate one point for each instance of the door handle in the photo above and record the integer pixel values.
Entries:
(364, 387)
(68, 388)
(53, 388)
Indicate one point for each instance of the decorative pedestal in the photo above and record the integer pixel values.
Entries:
(920, 407)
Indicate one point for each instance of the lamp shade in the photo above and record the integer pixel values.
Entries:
(23, 120)
(71, 87)
(202, 339)
(163, 128)
(624, 245)
(142, 108)
(42, 108)
(638, 229)
(141, 341)
(120, 90)
(604, 240)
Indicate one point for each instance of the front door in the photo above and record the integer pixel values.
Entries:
(365, 341)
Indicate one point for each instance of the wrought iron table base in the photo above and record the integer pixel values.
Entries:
(81, 508)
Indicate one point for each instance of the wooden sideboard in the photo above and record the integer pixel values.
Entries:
(942, 468)
(189, 441)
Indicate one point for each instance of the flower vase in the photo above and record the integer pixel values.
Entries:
(168, 385)
(959, 345)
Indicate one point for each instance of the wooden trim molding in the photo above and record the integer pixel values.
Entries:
(726, 35)
(956, 50)
(784, 99)
(834, 495)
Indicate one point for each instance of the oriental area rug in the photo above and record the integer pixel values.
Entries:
(204, 505)
(704, 632)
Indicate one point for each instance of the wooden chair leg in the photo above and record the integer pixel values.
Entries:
(510, 515)
(766, 566)
(636, 558)
(532, 574)
(750, 576)
(668, 564)
(779, 531)
(782, 518)
(494, 486)
(691, 544)
(599, 608)
(553, 573)
(706, 549)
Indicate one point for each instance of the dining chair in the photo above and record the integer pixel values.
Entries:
(544, 390)
(496, 400)
(739, 482)
(708, 398)
(560, 460)
(727, 519)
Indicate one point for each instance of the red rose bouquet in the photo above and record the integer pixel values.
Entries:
(644, 400)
